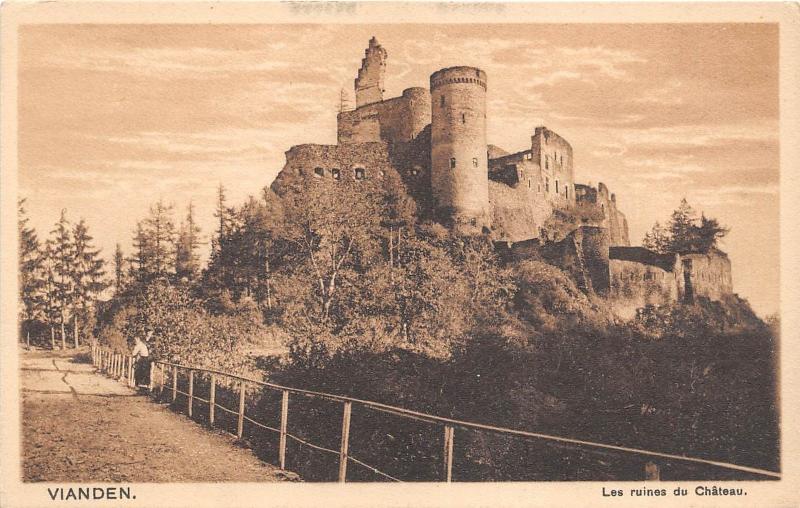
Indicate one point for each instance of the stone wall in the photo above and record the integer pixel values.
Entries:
(400, 119)
(310, 162)
(519, 212)
(554, 156)
(708, 274)
(369, 82)
(641, 277)
(599, 198)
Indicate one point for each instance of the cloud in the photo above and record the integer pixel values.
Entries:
(670, 94)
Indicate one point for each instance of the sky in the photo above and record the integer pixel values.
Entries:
(113, 118)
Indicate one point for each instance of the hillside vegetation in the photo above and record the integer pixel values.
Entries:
(344, 290)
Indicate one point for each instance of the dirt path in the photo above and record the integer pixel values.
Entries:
(80, 426)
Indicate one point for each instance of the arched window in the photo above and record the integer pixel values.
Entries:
(319, 172)
(556, 186)
(452, 163)
(463, 118)
(361, 173)
(474, 162)
(335, 173)
(546, 184)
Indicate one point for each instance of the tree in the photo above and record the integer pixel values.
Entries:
(120, 275)
(657, 239)
(681, 228)
(31, 281)
(51, 302)
(685, 233)
(87, 274)
(708, 233)
(187, 261)
(63, 252)
(334, 226)
(140, 264)
(247, 251)
(160, 233)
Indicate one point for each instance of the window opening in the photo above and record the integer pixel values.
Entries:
(319, 172)
(452, 163)
(360, 173)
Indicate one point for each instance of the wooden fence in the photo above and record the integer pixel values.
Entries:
(164, 376)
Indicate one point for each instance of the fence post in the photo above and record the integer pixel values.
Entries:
(345, 441)
(161, 373)
(115, 373)
(191, 391)
(174, 383)
(212, 397)
(449, 434)
(284, 422)
(152, 376)
(240, 425)
(652, 472)
(131, 377)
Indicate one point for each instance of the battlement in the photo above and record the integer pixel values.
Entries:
(460, 74)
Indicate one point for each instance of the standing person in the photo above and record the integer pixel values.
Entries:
(141, 355)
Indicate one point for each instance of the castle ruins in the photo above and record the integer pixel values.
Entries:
(527, 202)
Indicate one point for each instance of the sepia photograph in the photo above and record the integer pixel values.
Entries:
(462, 248)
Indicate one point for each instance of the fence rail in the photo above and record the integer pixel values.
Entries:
(120, 366)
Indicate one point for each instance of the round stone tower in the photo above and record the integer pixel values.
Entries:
(459, 165)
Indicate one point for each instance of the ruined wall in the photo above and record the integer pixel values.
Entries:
(709, 274)
(459, 160)
(310, 163)
(554, 156)
(518, 212)
(369, 82)
(594, 243)
(588, 198)
(412, 160)
(641, 277)
(583, 254)
(400, 119)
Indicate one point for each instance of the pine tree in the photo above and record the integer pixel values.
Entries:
(344, 101)
(31, 282)
(657, 239)
(223, 214)
(140, 263)
(160, 233)
(50, 304)
(87, 274)
(683, 234)
(64, 262)
(681, 226)
(120, 276)
(708, 233)
(187, 261)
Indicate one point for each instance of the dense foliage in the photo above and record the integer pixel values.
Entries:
(684, 232)
(339, 286)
